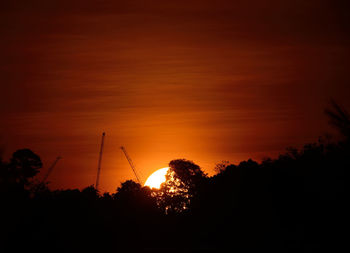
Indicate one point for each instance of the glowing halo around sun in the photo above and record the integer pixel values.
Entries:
(157, 178)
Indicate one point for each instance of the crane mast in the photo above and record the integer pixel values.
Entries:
(131, 164)
(100, 161)
(50, 169)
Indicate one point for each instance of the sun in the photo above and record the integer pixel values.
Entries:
(156, 178)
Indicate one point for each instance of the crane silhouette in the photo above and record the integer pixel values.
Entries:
(51, 168)
(100, 161)
(131, 165)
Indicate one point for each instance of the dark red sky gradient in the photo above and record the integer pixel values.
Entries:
(202, 80)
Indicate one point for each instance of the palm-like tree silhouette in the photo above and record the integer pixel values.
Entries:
(339, 117)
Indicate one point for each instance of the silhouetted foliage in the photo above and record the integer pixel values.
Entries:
(296, 202)
(23, 166)
(183, 180)
(340, 118)
(128, 187)
(219, 167)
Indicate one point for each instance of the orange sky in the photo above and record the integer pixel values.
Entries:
(202, 80)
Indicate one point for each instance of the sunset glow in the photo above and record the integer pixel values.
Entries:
(218, 80)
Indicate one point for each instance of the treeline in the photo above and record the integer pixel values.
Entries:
(296, 202)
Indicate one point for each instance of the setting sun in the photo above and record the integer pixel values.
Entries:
(156, 178)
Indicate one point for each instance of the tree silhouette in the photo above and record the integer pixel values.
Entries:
(183, 180)
(219, 167)
(17, 174)
(128, 187)
(24, 165)
(90, 193)
(340, 118)
(133, 196)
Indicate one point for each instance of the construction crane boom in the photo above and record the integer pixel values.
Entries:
(51, 168)
(131, 164)
(100, 161)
